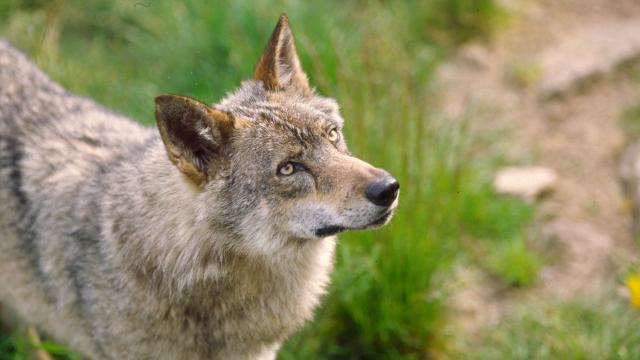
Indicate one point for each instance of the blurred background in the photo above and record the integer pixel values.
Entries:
(504, 121)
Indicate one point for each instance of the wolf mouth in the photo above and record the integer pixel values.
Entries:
(381, 220)
(335, 229)
(329, 230)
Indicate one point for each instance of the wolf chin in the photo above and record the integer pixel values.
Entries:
(211, 237)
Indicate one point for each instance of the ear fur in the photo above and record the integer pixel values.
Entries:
(195, 135)
(279, 66)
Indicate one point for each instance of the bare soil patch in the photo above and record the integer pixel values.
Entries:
(557, 79)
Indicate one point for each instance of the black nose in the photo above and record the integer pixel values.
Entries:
(382, 192)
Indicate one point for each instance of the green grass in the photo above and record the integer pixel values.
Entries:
(630, 121)
(589, 329)
(514, 263)
(377, 59)
(17, 347)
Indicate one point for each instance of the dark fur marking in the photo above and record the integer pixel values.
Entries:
(90, 141)
(86, 243)
(14, 157)
(26, 217)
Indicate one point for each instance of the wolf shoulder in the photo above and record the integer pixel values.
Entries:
(40, 114)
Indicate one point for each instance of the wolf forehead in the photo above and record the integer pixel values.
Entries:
(287, 110)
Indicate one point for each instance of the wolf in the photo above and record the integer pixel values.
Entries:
(211, 237)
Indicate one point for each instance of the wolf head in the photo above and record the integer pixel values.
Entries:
(270, 162)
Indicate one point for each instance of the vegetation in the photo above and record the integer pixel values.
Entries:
(593, 329)
(377, 59)
(630, 121)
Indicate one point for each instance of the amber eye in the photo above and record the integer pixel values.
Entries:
(333, 135)
(286, 169)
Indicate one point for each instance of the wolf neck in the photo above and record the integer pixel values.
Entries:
(163, 237)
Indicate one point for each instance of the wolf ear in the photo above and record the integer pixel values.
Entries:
(195, 135)
(279, 66)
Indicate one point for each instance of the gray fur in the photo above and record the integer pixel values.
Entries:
(106, 245)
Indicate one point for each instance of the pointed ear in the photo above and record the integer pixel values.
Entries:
(279, 66)
(195, 135)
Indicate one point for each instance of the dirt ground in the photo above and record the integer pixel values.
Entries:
(557, 78)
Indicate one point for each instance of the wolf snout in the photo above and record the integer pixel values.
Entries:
(382, 191)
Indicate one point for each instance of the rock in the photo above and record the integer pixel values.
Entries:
(526, 182)
(594, 50)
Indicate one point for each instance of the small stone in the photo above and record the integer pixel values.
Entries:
(527, 182)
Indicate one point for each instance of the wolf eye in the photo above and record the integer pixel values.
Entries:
(333, 135)
(286, 169)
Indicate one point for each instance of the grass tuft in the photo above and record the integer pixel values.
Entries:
(588, 329)
(513, 262)
(630, 121)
